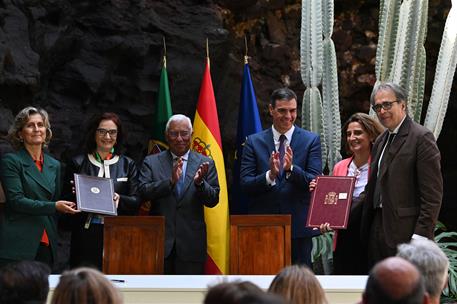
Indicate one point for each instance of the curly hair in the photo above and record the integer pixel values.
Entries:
(21, 120)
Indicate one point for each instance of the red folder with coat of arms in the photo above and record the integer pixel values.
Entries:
(331, 201)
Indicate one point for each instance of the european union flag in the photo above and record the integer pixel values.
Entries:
(248, 123)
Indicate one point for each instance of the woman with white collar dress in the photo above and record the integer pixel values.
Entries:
(102, 159)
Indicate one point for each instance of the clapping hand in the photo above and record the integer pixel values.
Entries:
(274, 165)
(201, 173)
(176, 171)
(288, 158)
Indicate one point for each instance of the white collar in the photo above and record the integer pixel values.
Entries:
(185, 157)
(104, 168)
(288, 134)
(395, 131)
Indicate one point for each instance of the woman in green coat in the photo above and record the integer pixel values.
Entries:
(31, 181)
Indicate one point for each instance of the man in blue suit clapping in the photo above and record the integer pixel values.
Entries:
(276, 167)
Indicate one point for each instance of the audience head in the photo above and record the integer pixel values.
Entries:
(104, 133)
(239, 292)
(85, 285)
(24, 282)
(394, 280)
(283, 109)
(298, 285)
(26, 122)
(362, 127)
(431, 261)
(178, 133)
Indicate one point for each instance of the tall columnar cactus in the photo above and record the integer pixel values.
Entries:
(318, 66)
(401, 54)
(330, 99)
(445, 69)
(389, 16)
(409, 60)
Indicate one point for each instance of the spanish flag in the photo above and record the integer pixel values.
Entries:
(207, 141)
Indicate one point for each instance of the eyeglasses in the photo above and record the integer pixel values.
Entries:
(386, 105)
(175, 134)
(103, 132)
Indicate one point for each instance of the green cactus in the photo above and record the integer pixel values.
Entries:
(318, 66)
(445, 69)
(389, 15)
(401, 57)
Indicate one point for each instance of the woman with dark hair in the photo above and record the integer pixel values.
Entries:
(102, 158)
(31, 181)
(360, 132)
(24, 282)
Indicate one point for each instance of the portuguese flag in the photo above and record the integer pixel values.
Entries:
(162, 113)
(207, 141)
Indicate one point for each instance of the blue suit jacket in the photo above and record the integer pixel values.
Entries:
(288, 196)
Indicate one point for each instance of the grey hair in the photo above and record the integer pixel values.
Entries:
(431, 261)
(178, 117)
(399, 92)
(21, 120)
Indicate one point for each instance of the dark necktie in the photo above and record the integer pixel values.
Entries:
(179, 184)
(377, 199)
(282, 152)
(387, 146)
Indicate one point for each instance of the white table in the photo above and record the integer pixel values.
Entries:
(192, 288)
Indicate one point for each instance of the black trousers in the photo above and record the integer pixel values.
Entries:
(377, 246)
(174, 265)
(44, 255)
(301, 251)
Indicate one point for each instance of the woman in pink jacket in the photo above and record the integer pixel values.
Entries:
(361, 131)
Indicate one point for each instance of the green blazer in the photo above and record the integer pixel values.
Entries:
(30, 204)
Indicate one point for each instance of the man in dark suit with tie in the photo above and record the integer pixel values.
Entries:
(179, 183)
(404, 192)
(276, 168)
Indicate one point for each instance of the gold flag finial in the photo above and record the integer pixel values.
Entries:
(246, 57)
(207, 51)
(164, 53)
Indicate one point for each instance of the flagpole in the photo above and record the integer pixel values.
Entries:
(164, 53)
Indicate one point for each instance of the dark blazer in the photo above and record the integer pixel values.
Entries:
(30, 207)
(87, 244)
(288, 196)
(184, 217)
(411, 185)
(123, 172)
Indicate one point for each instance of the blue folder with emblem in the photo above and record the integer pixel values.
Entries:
(95, 194)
